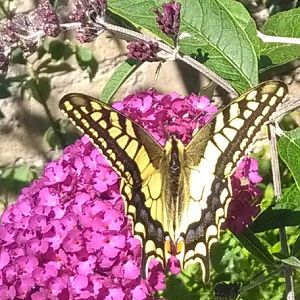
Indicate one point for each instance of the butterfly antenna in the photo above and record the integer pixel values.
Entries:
(157, 72)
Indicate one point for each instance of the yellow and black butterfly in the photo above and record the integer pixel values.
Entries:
(177, 196)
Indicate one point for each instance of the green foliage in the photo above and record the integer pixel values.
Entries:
(4, 87)
(39, 88)
(67, 132)
(291, 261)
(86, 60)
(290, 200)
(273, 218)
(231, 262)
(296, 247)
(59, 50)
(284, 24)
(121, 74)
(289, 151)
(231, 53)
(253, 244)
(13, 179)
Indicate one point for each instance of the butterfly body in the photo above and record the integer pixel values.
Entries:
(177, 195)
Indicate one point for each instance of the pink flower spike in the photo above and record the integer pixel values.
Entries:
(174, 265)
(67, 236)
(244, 205)
(143, 51)
(156, 275)
(169, 19)
(46, 16)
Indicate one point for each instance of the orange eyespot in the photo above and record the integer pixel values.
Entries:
(168, 246)
(172, 248)
(179, 246)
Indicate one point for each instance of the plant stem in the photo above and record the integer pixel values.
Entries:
(54, 125)
(288, 271)
(277, 39)
(173, 53)
(259, 280)
(285, 108)
(4, 10)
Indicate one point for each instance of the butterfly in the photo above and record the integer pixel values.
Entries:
(177, 195)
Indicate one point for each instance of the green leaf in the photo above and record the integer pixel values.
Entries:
(39, 88)
(86, 60)
(121, 74)
(14, 178)
(284, 24)
(17, 57)
(222, 34)
(296, 247)
(290, 199)
(289, 151)
(139, 13)
(291, 261)
(268, 196)
(177, 288)
(248, 239)
(84, 54)
(51, 138)
(42, 50)
(59, 49)
(4, 87)
(67, 130)
(272, 219)
(44, 88)
(23, 174)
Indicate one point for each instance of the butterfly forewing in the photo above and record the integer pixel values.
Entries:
(135, 156)
(199, 206)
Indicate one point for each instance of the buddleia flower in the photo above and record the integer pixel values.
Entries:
(67, 236)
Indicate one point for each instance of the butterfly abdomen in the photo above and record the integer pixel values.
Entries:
(174, 169)
(173, 186)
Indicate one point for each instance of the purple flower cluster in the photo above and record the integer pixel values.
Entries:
(163, 115)
(87, 13)
(47, 18)
(67, 236)
(4, 57)
(26, 31)
(169, 19)
(142, 51)
(245, 196)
